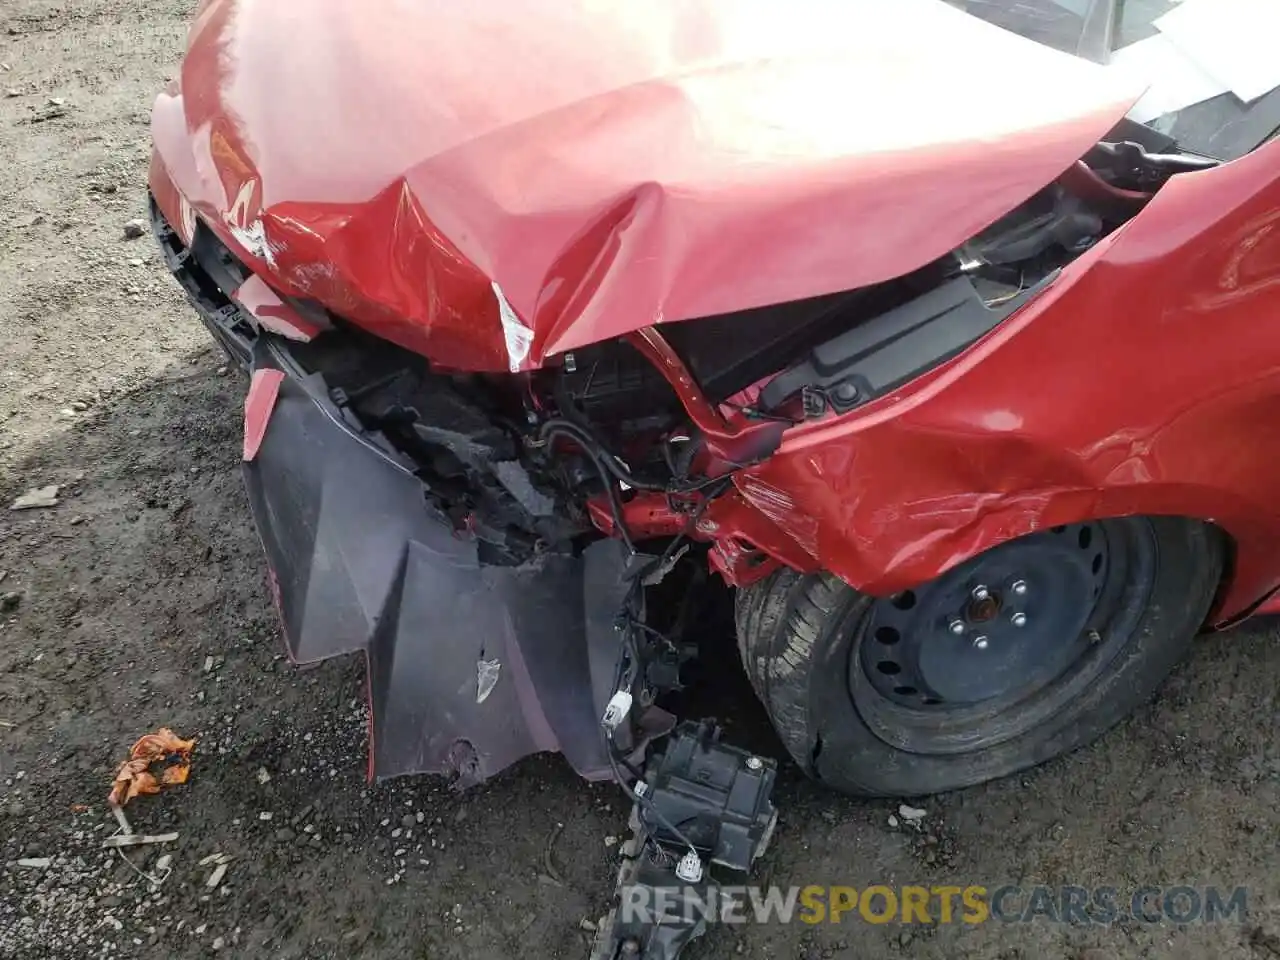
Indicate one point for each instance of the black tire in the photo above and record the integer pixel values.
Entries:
(800, 634)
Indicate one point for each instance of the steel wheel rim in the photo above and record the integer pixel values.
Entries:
(924, 685)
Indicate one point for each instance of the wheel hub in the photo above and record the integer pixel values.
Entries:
(984, 610)
(1005, 624)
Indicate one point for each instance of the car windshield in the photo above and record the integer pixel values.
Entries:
(1222, 127)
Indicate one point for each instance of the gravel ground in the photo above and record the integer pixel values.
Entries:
(140, 601)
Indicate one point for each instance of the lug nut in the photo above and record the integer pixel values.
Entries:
(980, 643)
(957, 626)
(1019, 587)
(754, 763)
(1019, 619)
(980, 592)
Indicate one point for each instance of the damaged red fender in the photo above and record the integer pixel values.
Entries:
(1144, 380)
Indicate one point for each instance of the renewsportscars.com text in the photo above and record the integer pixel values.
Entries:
(971, 904)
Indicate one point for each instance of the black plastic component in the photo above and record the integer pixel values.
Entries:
(718, 798)
(716, 795)
(728, 352)
(1134, 132)
(611, 381)
(1053, 218)
(890, 349)
(223, 318)
(1134, 167)
(361, 561)
(668, 914)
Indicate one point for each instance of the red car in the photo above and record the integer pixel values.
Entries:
(966, 383)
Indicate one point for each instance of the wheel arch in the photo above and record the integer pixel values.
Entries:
(1236, 599)
(889, 561)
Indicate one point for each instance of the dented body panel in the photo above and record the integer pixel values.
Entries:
(1144, 380)
(607, 168)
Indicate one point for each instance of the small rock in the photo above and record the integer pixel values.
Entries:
(10, 601)
(134, 229)
(905, 938)
(208, 664)
(911, 813)
(221, 371)
(265, 816)
(218, 943)
(587, 925)
(893, 821)
(56, 101)
(215, 878)
(284, 835)
(37, 497)
(610, 841)
(163, 863)
(35, 863)
(263, 776)
(135, 261)
(11, 92)
(408, 821)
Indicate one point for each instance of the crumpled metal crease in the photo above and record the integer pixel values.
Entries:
(609, 170)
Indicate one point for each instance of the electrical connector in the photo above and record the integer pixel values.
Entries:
(689, 869)
(617, 710)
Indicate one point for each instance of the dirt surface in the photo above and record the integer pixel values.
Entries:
(139, 600)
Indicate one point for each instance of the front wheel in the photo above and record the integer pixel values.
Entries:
(1023, 653)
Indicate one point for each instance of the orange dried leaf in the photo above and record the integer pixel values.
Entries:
(134, 776)
(162, 743)
(142, 783)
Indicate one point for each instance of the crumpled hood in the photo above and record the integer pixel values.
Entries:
(490, 184)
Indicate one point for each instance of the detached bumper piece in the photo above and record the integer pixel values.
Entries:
(471, 666)
(703, 793)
